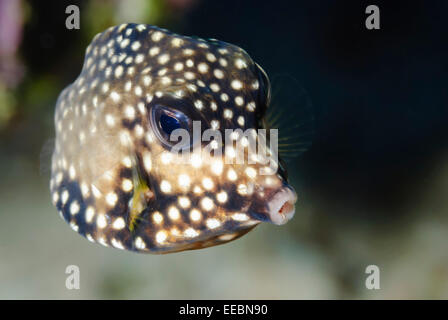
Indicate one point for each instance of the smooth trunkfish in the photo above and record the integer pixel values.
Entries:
(114, 178)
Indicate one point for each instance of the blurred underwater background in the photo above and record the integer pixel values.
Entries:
(372, 185)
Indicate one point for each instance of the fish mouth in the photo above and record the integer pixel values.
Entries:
(281, 207)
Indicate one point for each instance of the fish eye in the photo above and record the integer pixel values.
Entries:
(166, 120)
(169, 123)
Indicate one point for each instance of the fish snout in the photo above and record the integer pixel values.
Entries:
(274, 204)
(281, 206)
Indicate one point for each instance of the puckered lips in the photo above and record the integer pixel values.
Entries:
(277, 206)
(281, 206)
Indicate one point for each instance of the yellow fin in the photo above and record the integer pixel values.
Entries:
(140, 198)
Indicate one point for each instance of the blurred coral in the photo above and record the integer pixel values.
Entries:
(11, 27)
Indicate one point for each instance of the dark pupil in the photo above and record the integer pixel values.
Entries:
(169, 124)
